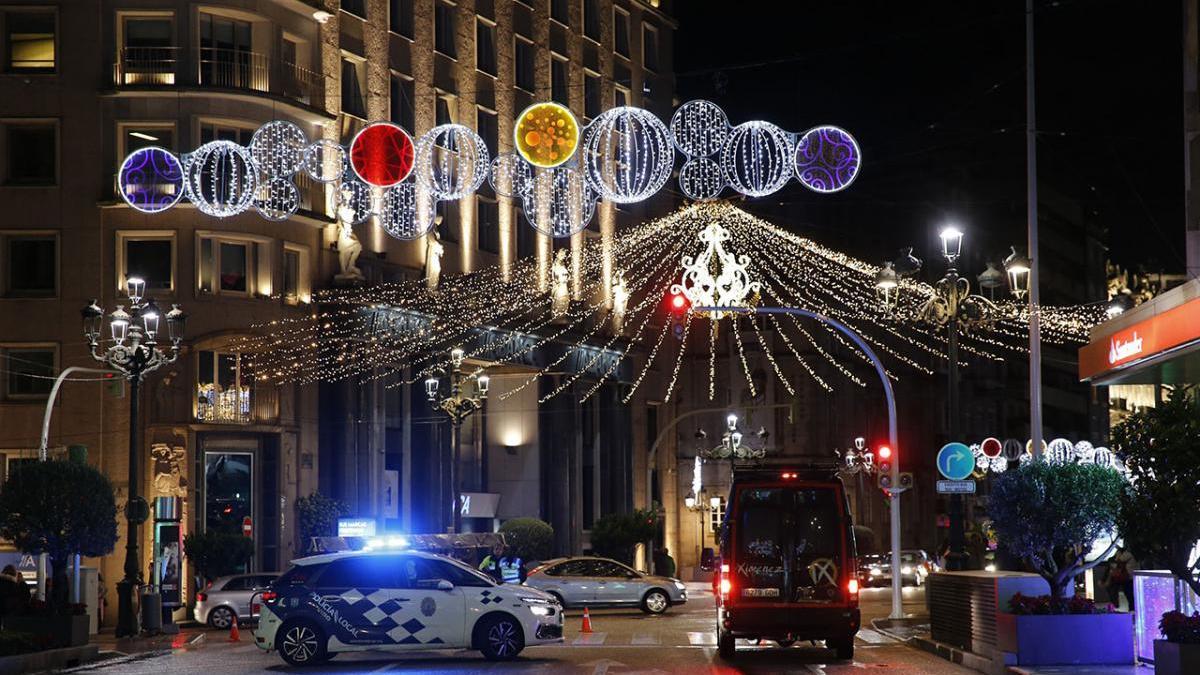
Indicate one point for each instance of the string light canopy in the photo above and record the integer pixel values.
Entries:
(401, 331)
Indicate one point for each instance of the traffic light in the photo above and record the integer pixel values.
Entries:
(884, 456)
(678, 307)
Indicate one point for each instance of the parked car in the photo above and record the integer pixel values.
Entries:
(397, 601)
(601, 582)
(228, 598)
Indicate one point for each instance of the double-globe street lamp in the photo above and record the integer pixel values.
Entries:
(955, 307)
(457, 407)
(135, 352)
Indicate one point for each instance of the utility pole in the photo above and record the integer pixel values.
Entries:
(1035, 337)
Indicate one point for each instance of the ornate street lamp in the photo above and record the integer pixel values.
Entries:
(133, 351)
(887, 285)
(731, 443)
(457, 407)
(1018, 267)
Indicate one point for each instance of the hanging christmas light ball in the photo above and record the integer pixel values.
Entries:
(1103, 457)
(1085, 451)
(406, 211)
(276, 199)
(757, 158)
(278, 148)
(546, 134)
(510, 175)
(354, 201)
(221, 179)
(452, 161)
(325, 161)
(1061, 451)
(628, 155)
(701, 178)
(382, 154)
(699, 128)
(560, 202)
(827, 159)
(151, 179)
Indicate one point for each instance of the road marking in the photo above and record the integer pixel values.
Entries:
(702, 639)
(196, 639)
(590, 639)
(643, 639)
(873, 637)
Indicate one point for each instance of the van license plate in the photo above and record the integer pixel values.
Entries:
(760, 592)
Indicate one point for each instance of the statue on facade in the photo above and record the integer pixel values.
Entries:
(168, 464)
(348, 245)
(560, 289)
(620, 300)
(434, 250)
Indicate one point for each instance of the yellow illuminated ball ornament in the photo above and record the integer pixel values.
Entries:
(546, 134)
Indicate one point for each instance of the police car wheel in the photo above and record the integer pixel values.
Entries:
(501, 637)
(655, 602)
(221, 618)
(301, 644)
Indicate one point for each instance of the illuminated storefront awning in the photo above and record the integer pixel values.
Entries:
(1155, 342)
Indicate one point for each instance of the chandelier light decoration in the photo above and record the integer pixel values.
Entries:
(559, 168)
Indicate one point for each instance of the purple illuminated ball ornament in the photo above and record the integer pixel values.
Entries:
(151, 179)
(827, 159)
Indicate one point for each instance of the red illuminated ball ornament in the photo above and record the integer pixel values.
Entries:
(991, 447)
(382, 154)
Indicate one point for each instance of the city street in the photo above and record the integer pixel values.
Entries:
(622, 641)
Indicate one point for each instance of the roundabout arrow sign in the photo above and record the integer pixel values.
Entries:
(955, 461)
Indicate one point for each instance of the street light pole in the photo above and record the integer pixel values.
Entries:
(457, 407)
(1035, 334)
(957, 541)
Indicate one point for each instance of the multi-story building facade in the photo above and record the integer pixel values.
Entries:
(84, 84)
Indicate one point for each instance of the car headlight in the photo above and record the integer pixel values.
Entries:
(875, 571)
(906, 570)
(539, 606)
(680, 586)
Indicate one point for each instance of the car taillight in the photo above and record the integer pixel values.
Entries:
(726, 586)
(852, 587)
(201, 596)
(269, 596)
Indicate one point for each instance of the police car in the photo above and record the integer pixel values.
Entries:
(399, 600)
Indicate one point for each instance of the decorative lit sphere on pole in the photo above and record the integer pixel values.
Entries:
(628, 155)
(546, 134)
(757, 158)
(325, 161)
(151, 179)
(452, 161)
(699, 128)
(221, 179)
(278, 148)
(827, 159)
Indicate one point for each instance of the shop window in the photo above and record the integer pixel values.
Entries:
(591, 19)
(151, 257)
(403, 106)
(560, 80)
(444, 29)
(401, 17)
(29, 36)
(621, 31)
(485, 46)
(523, 64)
(230, 266)
(31, 153)
(223, 389)
(228, 491)
(649, 47)
(30, 265)
(29, 370)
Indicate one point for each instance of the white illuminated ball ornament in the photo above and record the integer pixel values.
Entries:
(406, 211)
(357, 195)
(1104, 457)
(699, 128)
(1061, 451)
(511, 176)
(1085, 451)
(628, 155)
(757, 158)
(452, 161)
(276, 199)
(278, 148)
(325, 161)
(560, 203)
(701, 178)
(221, 179)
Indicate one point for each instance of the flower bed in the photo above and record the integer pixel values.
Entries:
(1044, 631)
(1179, 650)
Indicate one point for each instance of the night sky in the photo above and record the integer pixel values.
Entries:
(935, 94)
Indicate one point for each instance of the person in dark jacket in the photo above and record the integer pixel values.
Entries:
(14, 592)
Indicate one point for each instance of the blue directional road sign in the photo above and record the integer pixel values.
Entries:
(955, 461)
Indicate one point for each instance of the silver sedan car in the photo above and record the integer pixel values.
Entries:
(227, 599)
(600, 582)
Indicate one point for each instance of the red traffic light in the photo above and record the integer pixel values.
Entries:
(678, 302)
(885, 452)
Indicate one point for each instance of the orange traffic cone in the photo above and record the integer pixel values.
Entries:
(234, 636)
(587, 622)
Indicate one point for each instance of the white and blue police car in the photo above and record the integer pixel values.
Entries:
(399, 600)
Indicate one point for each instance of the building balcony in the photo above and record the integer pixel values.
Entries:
(229, 69)
(237, 405)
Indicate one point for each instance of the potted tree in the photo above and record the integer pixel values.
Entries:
(60, 508)
(1160, 509)
(317, 516)
(1050, 515)
(216, 554)
(615, 535)
(529, 539)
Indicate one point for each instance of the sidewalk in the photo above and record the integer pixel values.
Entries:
(188, 636)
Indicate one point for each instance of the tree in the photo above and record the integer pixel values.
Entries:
(317, 516)
(1050, 514)
(60, 508)
(216, 554)
(1160, 509)
(528, 538)
(614, 535)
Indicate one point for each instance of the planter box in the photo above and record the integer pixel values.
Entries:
(1172, 658)
(1067, 639)
(53, 631)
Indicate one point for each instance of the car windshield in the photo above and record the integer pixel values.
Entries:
(464, 575)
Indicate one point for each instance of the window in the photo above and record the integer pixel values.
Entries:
(591, 19)
(148, 55)
(30, 370)
(717, 516)
(150, 256)
(353, 76)
(228, 491)
(485, 47)
(403, 102)
(447, 108)
(526, 238)
(214, 131)
(148, 33)
(649, 47)
(138, 136)
(401, 17)
(487, 217)
(223, 391)
(620, 96)
(621, 31)
(29, 35)
(523, 62)
(232, 266)
(604, 568)
(355, 7)
(31, 150)
(560, 79)
(488, 126)
(226, 52)
(592, 105)
(560, 11)
(448, 228)
(444, 29)
(361, 572)
(30, 265)
(296, 286)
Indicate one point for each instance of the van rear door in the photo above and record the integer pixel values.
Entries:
(789, 544)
